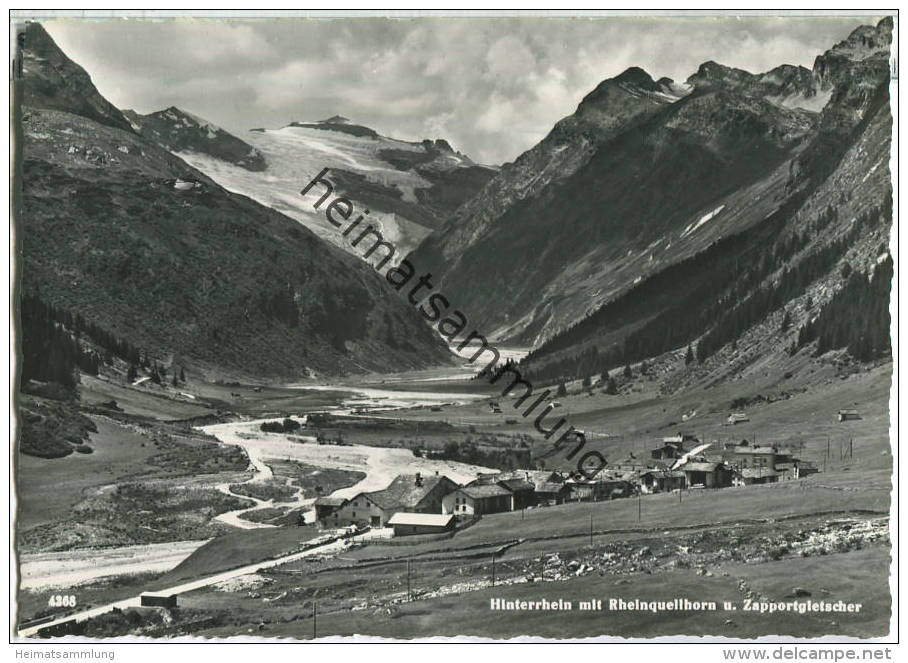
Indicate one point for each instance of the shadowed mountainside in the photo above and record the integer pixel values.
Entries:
(119, 230)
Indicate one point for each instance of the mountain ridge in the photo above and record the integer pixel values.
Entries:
(177, 130)
(58, 83)
(781, 126)
(121, 231)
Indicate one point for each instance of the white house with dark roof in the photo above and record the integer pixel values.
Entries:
(477, 499)
(413, 493)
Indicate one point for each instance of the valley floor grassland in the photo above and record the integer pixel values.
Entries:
(856, 576)
(144, 446)
(166, 403)
(237, 549)
(818, 533)
(364, 590)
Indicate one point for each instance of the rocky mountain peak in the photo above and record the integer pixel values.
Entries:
(711, 74)
(788, 84)
(439, 144)
(338, 123)
(181, 131)
(865, 41)
(853, 71)
(637, 76)
(632, 79)
(54, 82)
(786, 80)
(867, 46)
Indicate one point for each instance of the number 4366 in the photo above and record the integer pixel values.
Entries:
(62, 601)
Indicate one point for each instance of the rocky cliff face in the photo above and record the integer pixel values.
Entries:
(852, 70)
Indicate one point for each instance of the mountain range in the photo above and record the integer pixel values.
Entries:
(720, 217)
(148, 249)
(644, 174)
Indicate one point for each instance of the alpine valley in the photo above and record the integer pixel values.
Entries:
(230, 422)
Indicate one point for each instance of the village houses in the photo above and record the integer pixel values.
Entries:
(417, 504)
(412, 493)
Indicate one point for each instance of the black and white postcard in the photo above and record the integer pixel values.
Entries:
(479, 326)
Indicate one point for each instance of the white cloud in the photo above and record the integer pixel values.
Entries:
(492, 87)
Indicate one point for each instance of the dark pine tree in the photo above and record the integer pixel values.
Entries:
(689, 355)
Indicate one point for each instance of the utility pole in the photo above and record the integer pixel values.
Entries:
(314, 619)
(639, 507)
(591, 529)
(493, 569)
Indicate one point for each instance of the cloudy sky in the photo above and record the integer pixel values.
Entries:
(492, 87)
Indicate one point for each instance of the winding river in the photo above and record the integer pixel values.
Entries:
(380, 465)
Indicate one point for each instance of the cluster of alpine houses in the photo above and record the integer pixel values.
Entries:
(417, 504)
(681, 461)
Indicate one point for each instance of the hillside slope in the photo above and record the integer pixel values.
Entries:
(749, 300)
(676, 169)
(141, 244)
(602, 114)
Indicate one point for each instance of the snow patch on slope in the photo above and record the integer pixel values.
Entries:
(872, 171)
(703, 219)
(295, 155)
